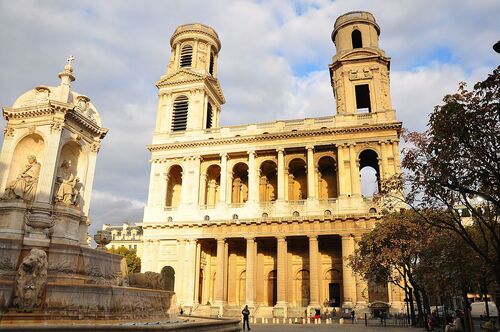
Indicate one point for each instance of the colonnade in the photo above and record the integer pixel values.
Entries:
(212, 180)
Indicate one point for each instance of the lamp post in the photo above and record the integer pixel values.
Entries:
(496, 47)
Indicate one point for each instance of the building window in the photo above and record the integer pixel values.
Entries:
(363, 98)
(357, 42)
(180, 113)
(135, 246)
(211, 64)
(186, 56)
(209, 116)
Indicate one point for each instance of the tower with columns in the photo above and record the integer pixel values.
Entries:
(266, 214)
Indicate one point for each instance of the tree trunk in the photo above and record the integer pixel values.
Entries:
(468, 327)
(420, 316)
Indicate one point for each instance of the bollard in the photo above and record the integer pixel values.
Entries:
(295, 320)
(366, 319)
(303, 321)
(289, 321)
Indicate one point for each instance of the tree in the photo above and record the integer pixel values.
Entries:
(456, 162)
(133, 261)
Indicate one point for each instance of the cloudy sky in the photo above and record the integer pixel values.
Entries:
(273, 65)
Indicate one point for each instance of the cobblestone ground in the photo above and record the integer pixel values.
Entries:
(359, 327)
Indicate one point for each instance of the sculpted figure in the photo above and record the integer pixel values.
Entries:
(24, 186)
(151, 280)
(31, 279)
(67, 183)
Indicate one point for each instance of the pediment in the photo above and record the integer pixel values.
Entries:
(181, 76)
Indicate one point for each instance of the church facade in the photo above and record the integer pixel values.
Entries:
(267, 214)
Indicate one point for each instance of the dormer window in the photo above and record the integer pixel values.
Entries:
(357, 42)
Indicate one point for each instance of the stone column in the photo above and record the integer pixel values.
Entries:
(281, 174)
(189, 272)
(48, 171)
(180, 277)
(281, 291)
(348, 277)
(383, 156)
(223, 178)
(165, 178)
(219, 274)
(226, 271)
(197, 272)
(250, 272)
(355, 179)
(361, 284)
(253, 184)
(314, 271)
(195, 177)
(342, 190)
(395, 153)
(311, 185)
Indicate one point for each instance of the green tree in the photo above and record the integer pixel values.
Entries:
(456, 162)
(133, 261)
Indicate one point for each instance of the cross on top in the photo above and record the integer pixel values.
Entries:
(70, 59)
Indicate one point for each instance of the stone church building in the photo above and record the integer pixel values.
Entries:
(266, 214)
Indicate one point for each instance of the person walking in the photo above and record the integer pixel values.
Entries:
(245, 312)
(353, 317)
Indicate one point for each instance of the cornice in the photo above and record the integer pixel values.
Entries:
(272, 136)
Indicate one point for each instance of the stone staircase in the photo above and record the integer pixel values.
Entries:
(232, 311)
(202, 310)
(263, 312)
(296, 312)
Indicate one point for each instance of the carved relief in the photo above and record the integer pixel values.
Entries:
(8, 131)
(202, 59)
(339, 92)
(95, 147)
(39, 224)
(151, 280)
(358, 74)
(102, 238)
(56, 126)
(83, 106)
(385, 84)
(31, 129)
(42, 95)
(31, 280)
(24, 186)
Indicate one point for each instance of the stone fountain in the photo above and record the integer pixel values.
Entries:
(48, 272)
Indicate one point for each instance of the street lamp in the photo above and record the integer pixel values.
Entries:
(496, 47)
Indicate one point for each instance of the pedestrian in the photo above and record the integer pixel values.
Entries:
(456, 325)
(245, 312)
(353, 316)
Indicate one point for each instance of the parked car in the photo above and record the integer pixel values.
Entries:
(478, 309)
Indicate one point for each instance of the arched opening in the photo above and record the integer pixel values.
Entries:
(168, 276)
(213, 185)
(297, 180)
(209, 116)
(242, 286)
(268, 182)
(332, 287)
(186, 56)
(356, 39)
(369, 173)
(211, 64)
(174, 186)
(378, 292)
(180, 113)
(25, 168)
(240, 183)
(272, 288)
(70, 175)
(327, 178)
(302, 288)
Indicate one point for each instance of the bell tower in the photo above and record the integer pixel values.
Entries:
(360, 70)
(190, 96)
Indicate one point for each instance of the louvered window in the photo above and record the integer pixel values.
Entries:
(211, 64)
(186, 56)
(180, 113)
(209, 115)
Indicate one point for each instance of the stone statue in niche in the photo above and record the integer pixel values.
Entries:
(31, 279)
(68, 190)
(24, 186)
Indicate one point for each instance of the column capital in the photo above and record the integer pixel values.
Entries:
(382, 142)
(223, 155)
(310, 147)
(281, 237)
(313, 237)
(280, 150)
(181, 240)
(251, 152)
(250, 238)
(351, 145)
(220, 239)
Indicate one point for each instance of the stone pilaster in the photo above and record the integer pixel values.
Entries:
(281, 292)
(342, 190)
(223, 178)
(383, 155)
(253, 183)
(197, 272)
(314, 271)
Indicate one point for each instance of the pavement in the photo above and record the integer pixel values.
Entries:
(359, 327)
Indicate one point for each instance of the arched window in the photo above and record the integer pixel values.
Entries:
(211, 64)
(327, 178)
(180, 113)
(174, 186)
(209, 116)
(297, 180)
(369, 173)
(186, 56)
(212, 185)
(357, 42)
(268, 183)
(240, 183)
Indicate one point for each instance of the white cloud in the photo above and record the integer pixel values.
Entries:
(273, 64)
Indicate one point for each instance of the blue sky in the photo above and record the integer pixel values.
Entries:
(273, 64)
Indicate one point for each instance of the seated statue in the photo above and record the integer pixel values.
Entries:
(67, 181)
(24, 186)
